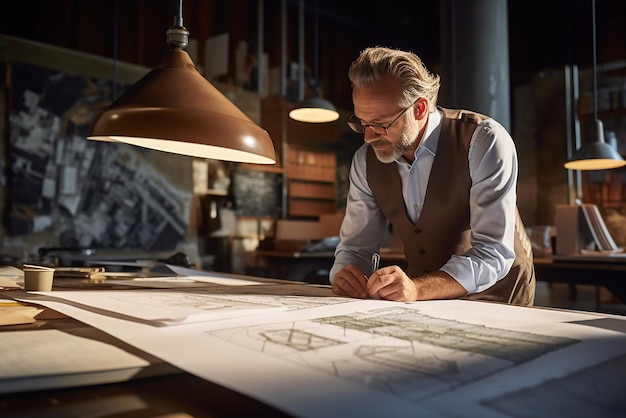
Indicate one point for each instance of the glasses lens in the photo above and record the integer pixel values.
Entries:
(355, 124)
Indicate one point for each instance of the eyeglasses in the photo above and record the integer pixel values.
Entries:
(357, 126)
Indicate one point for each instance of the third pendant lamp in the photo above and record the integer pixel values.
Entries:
(314, 109)
(596, 154)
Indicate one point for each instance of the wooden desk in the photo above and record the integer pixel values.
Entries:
(159, 390)
(150, 397)
(611, 275)
(484, 359)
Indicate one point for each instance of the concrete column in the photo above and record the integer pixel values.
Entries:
(475, 57)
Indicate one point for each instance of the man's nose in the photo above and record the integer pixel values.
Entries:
(370, 136)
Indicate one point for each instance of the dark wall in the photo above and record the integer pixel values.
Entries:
(543, 34)
(551, 34)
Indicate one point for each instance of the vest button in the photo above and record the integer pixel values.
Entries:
(417, 231)
(422, 251)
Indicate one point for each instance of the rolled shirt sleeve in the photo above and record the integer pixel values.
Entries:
(493, 196)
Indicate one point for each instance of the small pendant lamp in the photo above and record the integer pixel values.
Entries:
(595, 154)
(315, 109)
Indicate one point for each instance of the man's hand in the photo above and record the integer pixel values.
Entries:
(351, 282)
(392, 283)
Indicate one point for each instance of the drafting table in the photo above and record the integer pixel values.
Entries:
(272, 348)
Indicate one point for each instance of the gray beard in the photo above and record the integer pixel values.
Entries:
(398, 149)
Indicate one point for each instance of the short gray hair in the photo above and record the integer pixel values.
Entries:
(376, 62)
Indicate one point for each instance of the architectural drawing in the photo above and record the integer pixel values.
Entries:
(396, 350)
(372, 358)
(210, 303)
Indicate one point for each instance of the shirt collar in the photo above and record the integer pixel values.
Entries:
(430, 140)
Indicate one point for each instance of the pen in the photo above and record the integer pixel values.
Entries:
(375, 261)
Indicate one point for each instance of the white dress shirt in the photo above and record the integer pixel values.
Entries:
(493, 170)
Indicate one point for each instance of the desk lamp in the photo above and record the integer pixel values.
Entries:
(175, 109)
(596, 154)
(315, 109)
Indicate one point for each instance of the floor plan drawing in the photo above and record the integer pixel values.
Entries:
(396, 350)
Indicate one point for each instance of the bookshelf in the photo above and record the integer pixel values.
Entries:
(310, 182)
(308, 158)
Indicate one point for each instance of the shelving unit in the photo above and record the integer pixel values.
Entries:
(311, 182)
(309, 159)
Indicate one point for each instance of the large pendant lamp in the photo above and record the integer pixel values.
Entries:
(596, 154)
(314, 109)
(175, 109)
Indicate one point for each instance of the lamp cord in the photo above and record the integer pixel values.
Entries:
(595, 71)
(301, 72)
(115, 42)
(178, 17)
(316, 50)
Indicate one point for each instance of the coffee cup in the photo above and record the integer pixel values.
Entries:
(38, 279)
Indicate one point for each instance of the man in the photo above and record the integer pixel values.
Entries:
(445, 180)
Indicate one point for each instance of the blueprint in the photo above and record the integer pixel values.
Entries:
(188, 305)
(311, 354)
(396, 350)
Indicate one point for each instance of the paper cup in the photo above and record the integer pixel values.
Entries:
(39, 279)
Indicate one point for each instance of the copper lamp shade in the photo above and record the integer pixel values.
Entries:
(175, 109)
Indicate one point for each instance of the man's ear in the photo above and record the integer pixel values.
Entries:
(421, 108)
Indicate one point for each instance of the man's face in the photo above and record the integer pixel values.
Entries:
(396, 129)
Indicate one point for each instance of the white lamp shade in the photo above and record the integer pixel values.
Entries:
(596, 154)
(314, 110)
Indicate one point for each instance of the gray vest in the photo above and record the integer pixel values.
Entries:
(443, 228)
